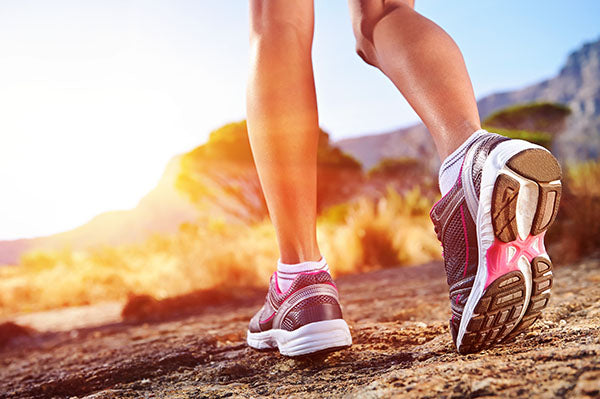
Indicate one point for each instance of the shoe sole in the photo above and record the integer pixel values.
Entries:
(541, 170)
(313, 338)
(516, 276)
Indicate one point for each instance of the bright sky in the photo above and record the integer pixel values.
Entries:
(97, 96)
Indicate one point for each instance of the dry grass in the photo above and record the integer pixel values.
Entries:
(577, 228)
(394, 230)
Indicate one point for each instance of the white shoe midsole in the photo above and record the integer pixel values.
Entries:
(307, 339)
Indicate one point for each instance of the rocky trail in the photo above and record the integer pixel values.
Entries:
(402, 348)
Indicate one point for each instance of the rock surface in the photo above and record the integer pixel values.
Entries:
(402, 347)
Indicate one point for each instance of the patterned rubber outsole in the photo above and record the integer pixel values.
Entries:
(541, 269)
(535, 166)
(497, 316)
(541, 167)
(497, 313)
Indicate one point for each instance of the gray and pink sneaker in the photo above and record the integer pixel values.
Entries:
(305, 319)
(492, 225)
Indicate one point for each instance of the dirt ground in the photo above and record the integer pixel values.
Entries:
(402, 348)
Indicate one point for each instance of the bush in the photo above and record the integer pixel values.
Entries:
(220, 176)
(391, 231)
(390, 167)
(540, 138)
(533, 117)
(576, 232)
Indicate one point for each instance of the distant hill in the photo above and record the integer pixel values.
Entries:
(411, 142)
(162, 210)
(577, 85)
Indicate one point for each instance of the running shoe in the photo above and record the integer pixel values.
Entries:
(492, 225)
(305, 319)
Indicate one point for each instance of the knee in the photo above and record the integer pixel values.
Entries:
(271, 25)
(366, 19)
(364, 45)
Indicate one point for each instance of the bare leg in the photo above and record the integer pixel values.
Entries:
(282, 121)
(423, 62)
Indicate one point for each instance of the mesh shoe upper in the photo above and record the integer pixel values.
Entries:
(311, 297)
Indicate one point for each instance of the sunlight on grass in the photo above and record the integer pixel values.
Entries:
(391, 231)
(363, 235)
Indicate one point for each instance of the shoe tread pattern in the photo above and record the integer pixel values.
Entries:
(496, 313)
(541, 167)
(541, 271)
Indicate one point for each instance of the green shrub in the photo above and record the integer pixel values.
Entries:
(540, 138)
(534, 117)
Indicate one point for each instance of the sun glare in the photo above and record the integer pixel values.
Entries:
(74, 152)
(94, 102)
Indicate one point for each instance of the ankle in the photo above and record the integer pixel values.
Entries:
(299, 255)
(287, 273)
(452, 164)
(455, 140)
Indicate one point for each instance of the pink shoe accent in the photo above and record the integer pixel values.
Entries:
(497, 256)
(268, 319)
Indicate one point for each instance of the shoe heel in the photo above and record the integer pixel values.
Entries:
(526, 195)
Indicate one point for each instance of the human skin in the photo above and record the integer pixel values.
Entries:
(423, 62)
(420, 59)
(283, 123)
